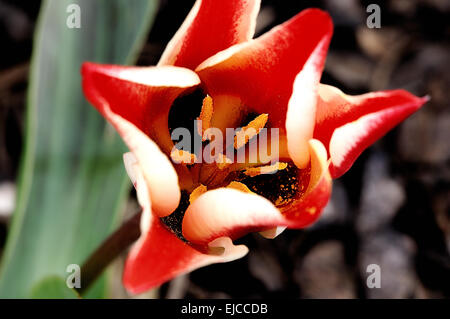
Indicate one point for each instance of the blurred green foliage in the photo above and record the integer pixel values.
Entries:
(72, 184)
(52, 287)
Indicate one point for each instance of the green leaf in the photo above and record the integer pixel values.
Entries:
(72, 183)
(53, 287)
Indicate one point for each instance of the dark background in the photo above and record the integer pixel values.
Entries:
(390, 209)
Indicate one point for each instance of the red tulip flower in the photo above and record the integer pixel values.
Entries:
(193, 211)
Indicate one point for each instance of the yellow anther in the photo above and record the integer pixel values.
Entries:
(180, 156)
(205, 116)
(197, 192)
(222, 161)
(250, 130)
(269, 169)
(279, 201)
(239, 186)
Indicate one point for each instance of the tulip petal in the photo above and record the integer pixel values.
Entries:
(347, 125)
(159, 256)
(140, 95)
(134, 171)
(273, 232)
(301, 112)
(211, 26)
(233, 213)
(261, 72)
(306, 210)
(228, 212)
(158, 172)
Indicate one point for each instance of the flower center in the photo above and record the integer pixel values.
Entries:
(235, 162)
(220, 160)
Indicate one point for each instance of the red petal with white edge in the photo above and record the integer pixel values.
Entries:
(301, 112)
(211, 26)
(158, 172)
(306, 210)
(262, 71)
(140, 95)
(159, 256)
(228, 212)
(232, 213)
(347, 125)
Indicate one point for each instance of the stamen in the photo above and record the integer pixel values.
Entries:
(250, 130)
(197, 192)
(180, 156)
(240, 187)
(222, 161)
(269, 169)
(205, 116)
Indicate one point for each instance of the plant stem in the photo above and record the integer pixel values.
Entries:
(115, 244)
